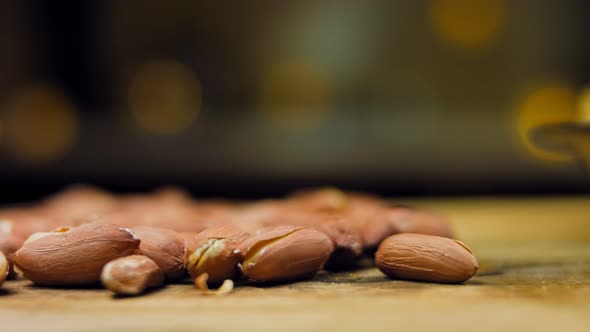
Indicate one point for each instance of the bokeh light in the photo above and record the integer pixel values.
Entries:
(468, 24)
(581, 140)
(583, 108)
(548, 104)
(164, 96)
(295, 94)
(41, 124)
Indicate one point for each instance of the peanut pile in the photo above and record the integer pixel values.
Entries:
(83, 236)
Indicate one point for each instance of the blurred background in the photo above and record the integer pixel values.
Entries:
(256, 98)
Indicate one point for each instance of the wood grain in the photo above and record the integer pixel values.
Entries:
(528, 281)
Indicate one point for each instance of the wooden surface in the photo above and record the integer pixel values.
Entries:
(535, 275)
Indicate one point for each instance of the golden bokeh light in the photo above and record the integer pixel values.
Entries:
(295, 94)
(467, 24)
(550, 104)
(164, 97)
(581, 140)
(41, 124)
(583, 115)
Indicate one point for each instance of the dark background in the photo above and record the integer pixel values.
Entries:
(256, 98)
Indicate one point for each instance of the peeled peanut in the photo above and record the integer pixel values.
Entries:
(165, 247)
(215, 252)
(285, 253)
(131, 275)
(425, 258)
(4, 268)
(74, 256)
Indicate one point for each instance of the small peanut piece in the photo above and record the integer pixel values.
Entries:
(4, 268)
(201, 283)
(285, 253)
(425, 258)
(131, 275)
(165, 247)
(74, 256)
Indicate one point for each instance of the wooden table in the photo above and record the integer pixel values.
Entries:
(535, 275)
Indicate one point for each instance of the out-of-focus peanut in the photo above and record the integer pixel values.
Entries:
(4, 268)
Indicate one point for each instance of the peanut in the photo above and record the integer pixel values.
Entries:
(285, 253)
(156, 213)
(8, 245)
(428, 222)
(4, 268)
(187, 236)
(327, 199)
(77, 201)
(215, 252)
(411, 220)
(74, 256)
(373, 231)
(131, 275)
(344, 235)
(172, 194)
(346, 239)
(425, 258)
(22, 222)
(165, 247)
(360, 212)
